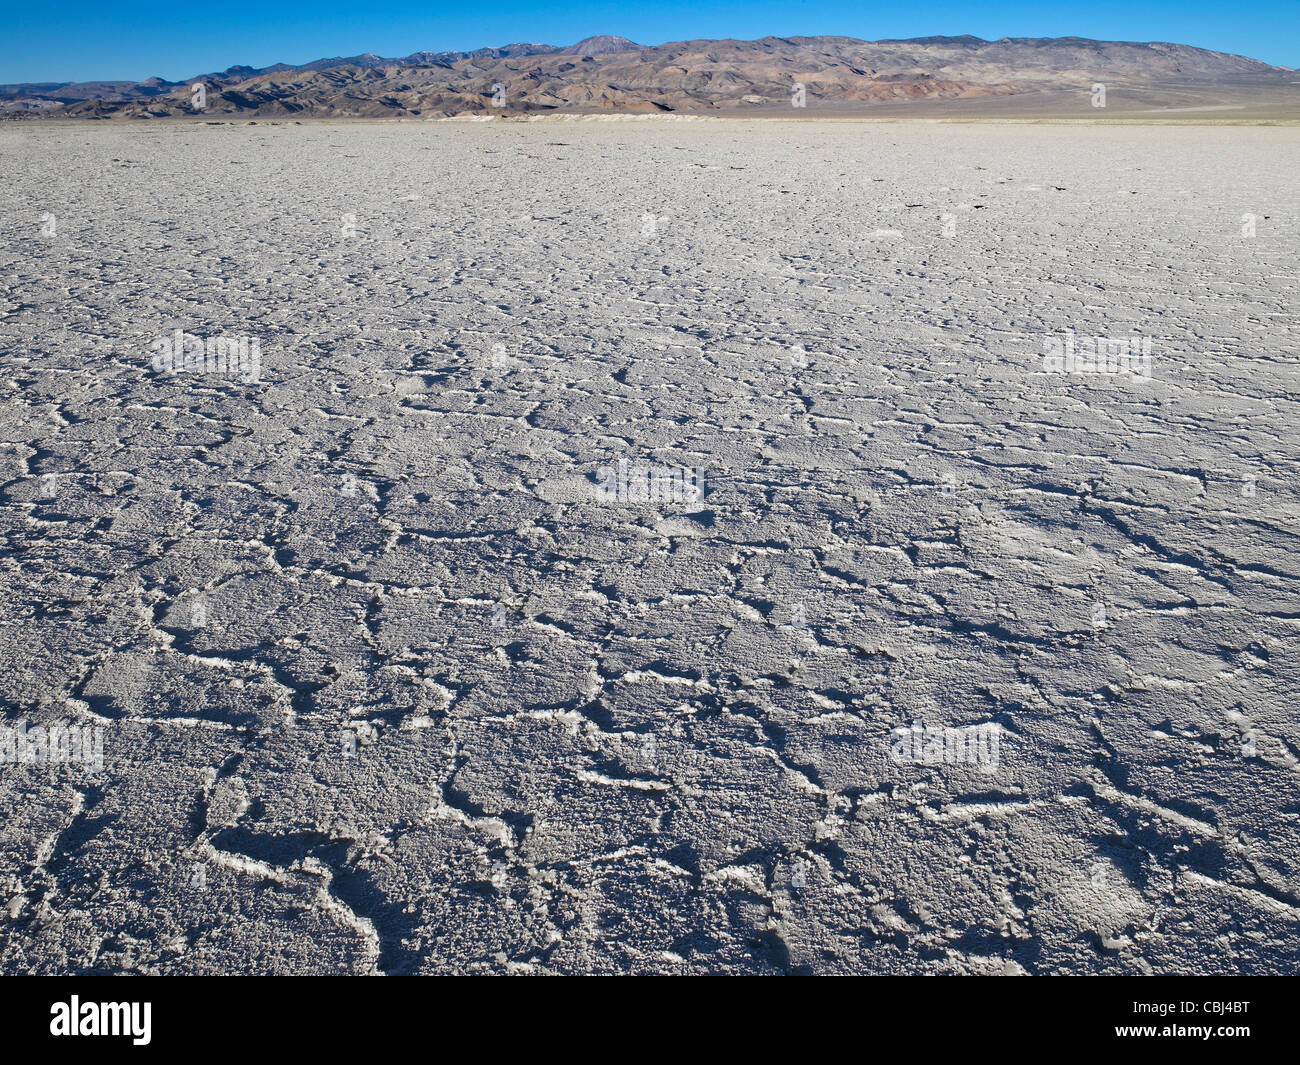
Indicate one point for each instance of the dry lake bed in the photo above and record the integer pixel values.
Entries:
(649, 546)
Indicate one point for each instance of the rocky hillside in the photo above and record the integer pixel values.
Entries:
(613, 74)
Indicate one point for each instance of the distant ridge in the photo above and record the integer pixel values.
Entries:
(613, 74)
(602, 46)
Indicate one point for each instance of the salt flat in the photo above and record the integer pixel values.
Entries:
(922, 650)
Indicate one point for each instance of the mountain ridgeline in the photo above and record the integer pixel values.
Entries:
(610, 74)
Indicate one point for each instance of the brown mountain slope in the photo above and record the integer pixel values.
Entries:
(612, 74)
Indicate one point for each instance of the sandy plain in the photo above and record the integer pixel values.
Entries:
(385, 682)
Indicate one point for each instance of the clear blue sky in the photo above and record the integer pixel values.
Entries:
(80, 40)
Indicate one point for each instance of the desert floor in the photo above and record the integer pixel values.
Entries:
(384, 682)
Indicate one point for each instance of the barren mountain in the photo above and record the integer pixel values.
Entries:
(613, 74)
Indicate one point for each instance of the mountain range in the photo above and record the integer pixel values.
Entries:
(613, 74)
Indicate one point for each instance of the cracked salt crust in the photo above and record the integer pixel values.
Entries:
(444, 710)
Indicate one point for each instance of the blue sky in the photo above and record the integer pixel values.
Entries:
(77, 40)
